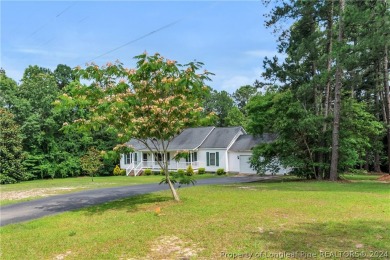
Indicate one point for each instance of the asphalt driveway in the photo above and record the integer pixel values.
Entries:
(34, 209)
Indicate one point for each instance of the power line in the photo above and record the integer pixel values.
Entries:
(50, 21)
(155, 31)
(137, 39)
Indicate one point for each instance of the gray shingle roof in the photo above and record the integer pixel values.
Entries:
(189, 139)
(247, 142)
(138, 146)
(221, 137)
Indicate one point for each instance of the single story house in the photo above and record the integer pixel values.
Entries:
(212, 148)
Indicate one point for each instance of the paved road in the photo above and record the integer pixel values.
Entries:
(29, 210)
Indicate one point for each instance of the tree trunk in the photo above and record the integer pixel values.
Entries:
(337, 102)
(377, 162)
(173, 190)
(166, 172)
(329, 35)
(367, 162)
(377, 154)
(387, 101)
(329, 61)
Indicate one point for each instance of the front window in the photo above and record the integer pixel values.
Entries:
(212, 159)
(128, 158)
(158, 157)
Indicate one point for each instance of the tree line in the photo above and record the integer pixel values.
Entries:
(32, 142)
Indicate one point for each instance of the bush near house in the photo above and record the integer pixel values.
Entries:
(180, 172)
(201, 171)
(148, 172)
(220, 171)
(189, 171)
(117, 171)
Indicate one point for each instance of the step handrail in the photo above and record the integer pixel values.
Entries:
(129, 169)
(136, 170)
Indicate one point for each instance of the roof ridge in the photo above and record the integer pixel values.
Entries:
(204, 139)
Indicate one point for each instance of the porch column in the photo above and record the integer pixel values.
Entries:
(191, 155)
(152, 160)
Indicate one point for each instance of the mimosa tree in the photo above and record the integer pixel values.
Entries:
(151, 103)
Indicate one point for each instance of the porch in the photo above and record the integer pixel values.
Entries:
(137, 167)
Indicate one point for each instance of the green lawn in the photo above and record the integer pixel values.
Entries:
(304, 218)
(13, 193)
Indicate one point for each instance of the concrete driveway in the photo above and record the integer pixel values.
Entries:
(34, 209)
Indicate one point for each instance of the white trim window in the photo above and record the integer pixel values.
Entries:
(212, 158)
(128, 158)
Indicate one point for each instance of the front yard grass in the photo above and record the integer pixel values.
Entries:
(303, 218)
(24, 191)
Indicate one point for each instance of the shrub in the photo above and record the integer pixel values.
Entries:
(156, 173)
(220, 171)
(358, 171)
(148, 172)
(172, 173)
(201, 171)
(162, 172)
(189, 171)
(117, 171)
(180, 172)
(123, 172)
(4, 179)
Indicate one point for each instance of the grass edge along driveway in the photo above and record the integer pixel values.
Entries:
(31, 190)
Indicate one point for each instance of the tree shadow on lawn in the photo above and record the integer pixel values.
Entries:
(131, 204)
(352, 235)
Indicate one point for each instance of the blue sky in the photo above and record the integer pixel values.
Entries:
(228, 36)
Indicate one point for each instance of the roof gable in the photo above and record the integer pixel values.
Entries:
(221, 137)
(190, 138)
(247, 142)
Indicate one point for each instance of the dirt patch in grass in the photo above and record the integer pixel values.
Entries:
(167, 247)
(385, 177)
(62, 256)
(172, 247)
(246, 188)
(43, 192)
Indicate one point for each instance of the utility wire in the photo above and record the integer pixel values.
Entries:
(155, 31)
(50, 21)
(137, 39)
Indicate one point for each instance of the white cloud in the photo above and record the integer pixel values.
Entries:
(47, 53)
(231, 81)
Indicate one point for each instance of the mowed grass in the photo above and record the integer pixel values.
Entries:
(211, 222)
(29, 190)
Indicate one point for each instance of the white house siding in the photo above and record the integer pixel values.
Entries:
(122, 162)
(223, 161)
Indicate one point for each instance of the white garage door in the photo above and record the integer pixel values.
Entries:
(245, 166)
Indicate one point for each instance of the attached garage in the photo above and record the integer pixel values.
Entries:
(241, 151)
(245, 165)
